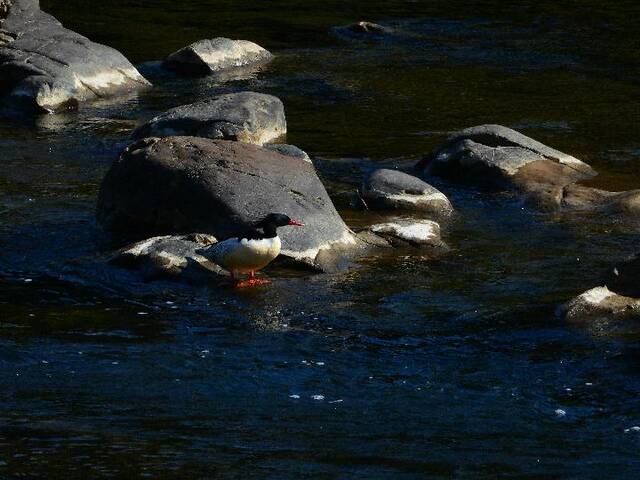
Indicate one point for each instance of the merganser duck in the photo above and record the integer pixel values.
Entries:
(252, 251)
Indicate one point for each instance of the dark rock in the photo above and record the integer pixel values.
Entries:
(395, 190)
(624, 278)
(169, 256)
(183, 184)
(245, 116)
(45, 66)
(362, 30)
(209, 56)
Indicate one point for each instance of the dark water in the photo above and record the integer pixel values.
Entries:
(402, 367)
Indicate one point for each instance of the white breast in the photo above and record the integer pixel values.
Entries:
(244, 255)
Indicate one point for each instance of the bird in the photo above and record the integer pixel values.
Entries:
(251, 251)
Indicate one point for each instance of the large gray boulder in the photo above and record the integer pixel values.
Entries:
(245, 116)
(498, 157)
(48, 67)
(186, 184)
(213, 55)
(396, 190)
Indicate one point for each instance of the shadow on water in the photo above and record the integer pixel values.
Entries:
(404, 366)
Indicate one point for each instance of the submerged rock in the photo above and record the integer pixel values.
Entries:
(362, 30)
(48, 67)
(245, 116)
(208, 56)
(186, 184)
(170, 257)
(624, 278)
(395, 190)
(498, 157)
(403, 232)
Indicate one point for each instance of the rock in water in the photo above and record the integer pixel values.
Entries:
(209, 56)
(186, 184)
(392, 189)
(600, 304)
(46, 66)
(403, 232)
(498, 157)
(170, 257)
(245, 116)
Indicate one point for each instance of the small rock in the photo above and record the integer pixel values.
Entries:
(599, 304)
(209, 56)
(403, 232)
(290, 150)
(362, 30)
(395, 190)
(245, 116)
(169, 256)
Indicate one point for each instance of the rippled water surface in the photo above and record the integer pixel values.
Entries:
(404, 366)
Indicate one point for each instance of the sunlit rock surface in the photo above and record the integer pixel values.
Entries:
(403, 232)
(48, 67)
(245, 116)
(175, 257)
(185, 184)
(395, 190)
(213, 55)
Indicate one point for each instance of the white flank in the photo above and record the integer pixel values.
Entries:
(244, 255)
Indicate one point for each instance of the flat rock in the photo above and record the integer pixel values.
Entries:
(395, 190)
(497, 157)
(404, 232)
(185, 184)
(245, 116)
(47, 67)
(174, 257)
(213, 55)
(600, 305)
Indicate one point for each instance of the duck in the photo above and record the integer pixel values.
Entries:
(252, 251)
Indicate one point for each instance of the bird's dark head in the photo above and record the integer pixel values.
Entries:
(274, 220)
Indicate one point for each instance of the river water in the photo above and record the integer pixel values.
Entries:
(404, 366)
